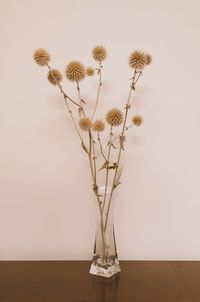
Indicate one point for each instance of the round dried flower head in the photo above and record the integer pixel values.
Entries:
(41, 57)
(137, 120)
(98, 126)
(90, 71)
(148, 58)
(114, 117)
(99, 53)
(137, 60)
(54, 76)
(75, 71)
(85, 123)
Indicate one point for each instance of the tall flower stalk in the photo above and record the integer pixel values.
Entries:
(102, 157)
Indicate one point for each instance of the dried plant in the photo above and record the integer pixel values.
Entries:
(114, 117)
(148, 59)
(90, 71)
(54, 76)
(98, 126)
(42, 57)
(137, 60)
(99, 53)
(75, 71)
(85, 123)
(137, 120)
(103, 148)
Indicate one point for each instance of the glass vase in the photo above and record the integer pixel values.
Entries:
(105, 261)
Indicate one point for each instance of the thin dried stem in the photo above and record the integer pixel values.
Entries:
(61, 88)
(75, 125)
(78, 89)
(99, 88)
(101, 147)
(92, 162)
(139, 75)
(126, 129)
(91, 152)
(107, 168)
(95, 188)
(90, 158)
(66, 98)
(80, 99)
(127, 107)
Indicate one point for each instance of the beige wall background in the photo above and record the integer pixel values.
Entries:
(46, 204)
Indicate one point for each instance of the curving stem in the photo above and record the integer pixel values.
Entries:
(127, 107)
(99, 89)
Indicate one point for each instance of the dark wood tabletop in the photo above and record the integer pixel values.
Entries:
(69, 281)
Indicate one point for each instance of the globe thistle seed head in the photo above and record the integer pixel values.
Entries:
(54, 76)
(85, 123)
(41, 57)
(148, 59)
(75, 71)
(90, 71)
(114, 117)
(137, 120)
(137, 60)
(99, 53)
(98, 126)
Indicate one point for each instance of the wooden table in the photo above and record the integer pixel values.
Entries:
(69, 281)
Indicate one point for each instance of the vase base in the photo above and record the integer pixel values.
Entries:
(105, 271)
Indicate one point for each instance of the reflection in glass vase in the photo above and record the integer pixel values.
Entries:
(105, 261)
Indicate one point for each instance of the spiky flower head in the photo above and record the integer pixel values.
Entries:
(137, 60)
(41, 57)
(148, 58)
(75, 71)
(90, 71)
(137, 120)
(98, 126)
(54, 76)
(114, 117)
(85, 123)
(99, 53)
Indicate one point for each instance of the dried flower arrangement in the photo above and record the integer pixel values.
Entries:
(105, 255)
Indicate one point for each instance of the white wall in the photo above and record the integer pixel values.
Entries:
(46, 205)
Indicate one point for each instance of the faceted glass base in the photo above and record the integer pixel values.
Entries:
(107, 268)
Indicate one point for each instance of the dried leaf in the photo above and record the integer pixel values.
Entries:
(104, 166)
(114, 147)
(114, 166)
(95, 188)
(108, 144)
(133, 87)
(80, 111)
(118, 177)
(127, 106)
(122, 139)
(84, 147)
